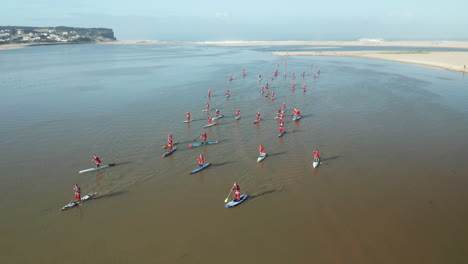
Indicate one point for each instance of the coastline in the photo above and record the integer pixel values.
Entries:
(448, 60)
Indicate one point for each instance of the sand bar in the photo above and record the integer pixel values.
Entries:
(449, 60)
(434, 44)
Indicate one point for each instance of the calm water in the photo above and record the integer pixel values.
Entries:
(391, 187)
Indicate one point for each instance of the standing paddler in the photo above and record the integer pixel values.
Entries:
(203, 136)
(77, 190)
(96, 160)
(201, 160)
(237, 193)
(261, 150)
(187, 115)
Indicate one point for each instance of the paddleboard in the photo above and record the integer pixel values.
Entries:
(316, 162)
(261, 157)
(174, 143)
(218, 117)
(201, 168)
(188, 121)
(295, 118)
(237, 117)
(234, 203)
(209, 125)
(74, 203)
(202, 144)
(95, 169)
(169, 152)
(255, 122)
(281, 134)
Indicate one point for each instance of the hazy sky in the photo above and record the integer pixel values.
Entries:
(210, 20)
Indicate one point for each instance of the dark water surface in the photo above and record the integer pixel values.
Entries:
(391, 187)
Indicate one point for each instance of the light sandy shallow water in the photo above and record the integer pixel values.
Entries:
(391, 188)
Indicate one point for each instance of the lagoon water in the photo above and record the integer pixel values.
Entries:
(391, 187)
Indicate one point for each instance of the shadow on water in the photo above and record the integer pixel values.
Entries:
(277, 153)
(221, 164)
(329, 158)
(108, 195)
(254, 196)
(122, 163)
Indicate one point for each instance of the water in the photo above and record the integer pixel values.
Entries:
(391, 188)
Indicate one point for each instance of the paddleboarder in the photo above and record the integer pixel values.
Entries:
(96, 160)
(281, 128)
(261, 150)
(237, 193)
(238, 112)
(169, 146)
(77, 190)
(201, 160)
(272, 95)
(228, 93)
(283, 107)
(217, 113)
(209, 93)
(257, 117)
(278, 113)
(280, 119)
(304, 87)
(207, 106)
(230, 78)
(187, 115)
(316, 154)
(204, 136)
(243, 73)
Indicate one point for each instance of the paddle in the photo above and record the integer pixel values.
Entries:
(227, 198)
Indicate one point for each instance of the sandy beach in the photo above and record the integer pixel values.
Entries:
(449, 60)
(434, 44)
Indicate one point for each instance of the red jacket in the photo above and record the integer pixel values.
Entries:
(201, 160)
(96, 160)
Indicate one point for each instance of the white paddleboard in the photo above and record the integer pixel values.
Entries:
(95, 169)
(261, 157)
(209, 125)
(316, 162)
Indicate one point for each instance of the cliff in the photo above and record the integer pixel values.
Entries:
(49, 35)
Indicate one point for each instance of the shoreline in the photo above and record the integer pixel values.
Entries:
(448, 60)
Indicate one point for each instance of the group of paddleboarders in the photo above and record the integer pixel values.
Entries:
(201, 159)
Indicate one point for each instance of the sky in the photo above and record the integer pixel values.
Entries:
(249, 20)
